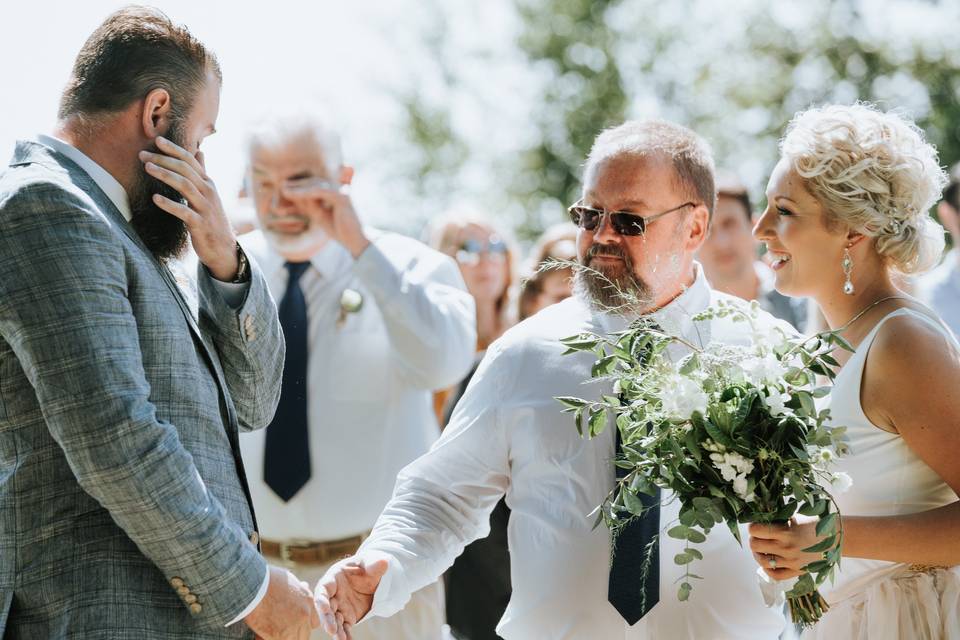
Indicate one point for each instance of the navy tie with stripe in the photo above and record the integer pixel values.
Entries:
(286, 462)
(634, 584)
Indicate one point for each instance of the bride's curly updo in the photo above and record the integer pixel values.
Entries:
(874, 173)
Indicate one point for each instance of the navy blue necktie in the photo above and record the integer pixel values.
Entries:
(286, 461)
(634, 584)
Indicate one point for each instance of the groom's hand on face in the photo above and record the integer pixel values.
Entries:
(210, 231)
(287, 611)
(345, 594)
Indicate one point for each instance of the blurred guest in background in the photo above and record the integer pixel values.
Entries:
(478, 583)
(486, 263)
(940, 289)
(729, 256)
(542, 286)
(243, 216)
(373, 323)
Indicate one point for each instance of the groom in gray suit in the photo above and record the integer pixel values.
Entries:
(124, 509)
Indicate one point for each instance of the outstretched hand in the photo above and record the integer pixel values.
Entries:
(345, 594)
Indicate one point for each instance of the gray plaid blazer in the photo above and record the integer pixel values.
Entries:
(124, 509)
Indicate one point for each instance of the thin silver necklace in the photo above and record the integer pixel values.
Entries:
(867, 308)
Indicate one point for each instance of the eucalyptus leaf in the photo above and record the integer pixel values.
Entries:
(814, 509)
(806, 401)
(827, 524)
(603, 366)
(633, 504)
(735, 530)
(679, 532)
(691, 364)
(597, 422)
(818, 566)
(696, 537)
(571, 402)
(803, 586)
(824, 545)
(839, 340)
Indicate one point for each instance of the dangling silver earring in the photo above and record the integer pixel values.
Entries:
(847, 265)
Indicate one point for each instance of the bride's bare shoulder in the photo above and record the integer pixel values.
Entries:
(913, 366)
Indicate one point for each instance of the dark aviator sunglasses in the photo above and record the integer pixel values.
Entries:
(623, 222)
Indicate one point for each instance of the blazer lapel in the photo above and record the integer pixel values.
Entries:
(34, 152)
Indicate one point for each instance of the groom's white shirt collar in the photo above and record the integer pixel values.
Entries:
(107, 183)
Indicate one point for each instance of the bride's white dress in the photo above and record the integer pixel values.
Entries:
(873, 599)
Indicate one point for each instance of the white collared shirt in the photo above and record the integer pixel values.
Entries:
(370, 377)
(509, 436)
(107, 183)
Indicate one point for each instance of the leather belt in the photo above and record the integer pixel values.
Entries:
(926, 568)
(307, 552)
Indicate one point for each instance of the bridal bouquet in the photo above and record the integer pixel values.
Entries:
(731, 430)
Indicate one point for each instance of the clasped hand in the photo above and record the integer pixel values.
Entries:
(345, 594)
(288, 610)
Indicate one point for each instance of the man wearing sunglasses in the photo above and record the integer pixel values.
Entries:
(647, 199)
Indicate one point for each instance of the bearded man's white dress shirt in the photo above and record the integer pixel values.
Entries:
(508, 435)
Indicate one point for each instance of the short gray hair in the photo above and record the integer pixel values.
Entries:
(689, 153)
(281, 127)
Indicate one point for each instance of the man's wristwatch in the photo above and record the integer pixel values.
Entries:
(243, 267)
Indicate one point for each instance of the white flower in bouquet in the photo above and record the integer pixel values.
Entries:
(733, 468)
(681, 396)
(776, 401)
(841, 482)
(765, 370)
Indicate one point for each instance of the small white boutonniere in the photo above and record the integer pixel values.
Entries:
(351, 301)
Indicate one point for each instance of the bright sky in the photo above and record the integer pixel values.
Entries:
(350, 58)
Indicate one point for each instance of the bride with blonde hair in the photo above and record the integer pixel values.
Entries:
(847, 210)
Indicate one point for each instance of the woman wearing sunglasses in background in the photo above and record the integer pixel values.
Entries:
(478, 584)
(486, 264)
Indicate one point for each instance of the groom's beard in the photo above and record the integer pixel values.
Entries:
(611, 288)
(164, 234)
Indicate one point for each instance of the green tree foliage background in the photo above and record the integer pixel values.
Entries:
(734, 71)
